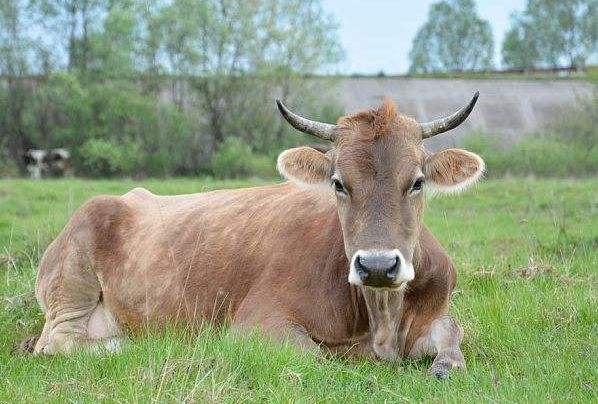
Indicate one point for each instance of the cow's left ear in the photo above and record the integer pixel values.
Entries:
(305, 166)
(452, 170)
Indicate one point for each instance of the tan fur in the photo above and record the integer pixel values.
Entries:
(305, 164)
(273, 257)
(453, 166)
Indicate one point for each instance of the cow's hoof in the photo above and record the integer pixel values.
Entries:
(440, 370)
(440, 374)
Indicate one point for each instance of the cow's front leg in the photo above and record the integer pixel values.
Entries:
(443, 340)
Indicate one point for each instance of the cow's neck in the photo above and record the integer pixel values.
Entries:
(385, 312)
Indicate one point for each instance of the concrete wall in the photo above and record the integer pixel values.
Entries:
(508, 108)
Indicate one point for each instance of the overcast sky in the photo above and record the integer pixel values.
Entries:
(377, 34)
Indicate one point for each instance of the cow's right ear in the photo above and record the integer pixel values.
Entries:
(305, 166)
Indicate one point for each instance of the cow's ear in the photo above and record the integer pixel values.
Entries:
(452, 170)
(305, 166)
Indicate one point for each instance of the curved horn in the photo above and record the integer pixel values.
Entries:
(433, 128)
(319, 129)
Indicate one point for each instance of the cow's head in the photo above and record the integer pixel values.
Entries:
(379, 170)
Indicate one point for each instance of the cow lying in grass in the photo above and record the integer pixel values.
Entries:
(336, 259)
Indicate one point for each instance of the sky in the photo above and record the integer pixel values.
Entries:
(377, 34)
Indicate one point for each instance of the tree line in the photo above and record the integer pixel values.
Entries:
(548, 33)
(90, 76)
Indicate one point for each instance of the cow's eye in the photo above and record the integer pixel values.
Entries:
(418, 185)
(338, 186)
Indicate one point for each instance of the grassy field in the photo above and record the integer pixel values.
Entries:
(527, 254)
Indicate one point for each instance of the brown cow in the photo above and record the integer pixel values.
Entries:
(335, 259)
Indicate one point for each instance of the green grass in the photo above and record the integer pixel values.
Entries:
(526, 251)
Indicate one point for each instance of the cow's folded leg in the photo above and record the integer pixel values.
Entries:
(443, 340)
(67, 338)
(65, 332)
(70, 304)
(69, 292)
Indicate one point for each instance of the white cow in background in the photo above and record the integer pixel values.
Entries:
(53, 162)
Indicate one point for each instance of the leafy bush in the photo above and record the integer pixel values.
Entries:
(235, 159)
(161, 132)
(545, 155)
(105, 158)
(8, 168)
(566, 148)
(580, 123)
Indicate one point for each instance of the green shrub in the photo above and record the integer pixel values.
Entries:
(105, 158)
(544, 155)
(161, 132)
(580, 123)
(234, 158)
(566, 148)
(8, 168)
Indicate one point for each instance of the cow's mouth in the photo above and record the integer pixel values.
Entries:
(386, 288)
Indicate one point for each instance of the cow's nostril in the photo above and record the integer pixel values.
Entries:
(393, 271)
(362, 271)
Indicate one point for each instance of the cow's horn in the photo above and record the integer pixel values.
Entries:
(322, 130)
(433, 128)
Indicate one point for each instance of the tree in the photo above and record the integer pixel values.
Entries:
(237, 53)
(15, 49)
(552, 33)
(111, 49)
(73, 23)
(454, 38)
(518, 48)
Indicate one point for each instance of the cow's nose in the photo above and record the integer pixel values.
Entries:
(377, 270)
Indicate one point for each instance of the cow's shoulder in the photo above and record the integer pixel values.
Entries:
(103, 215)
(101, 226)
(104, 208)
(435, 267)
